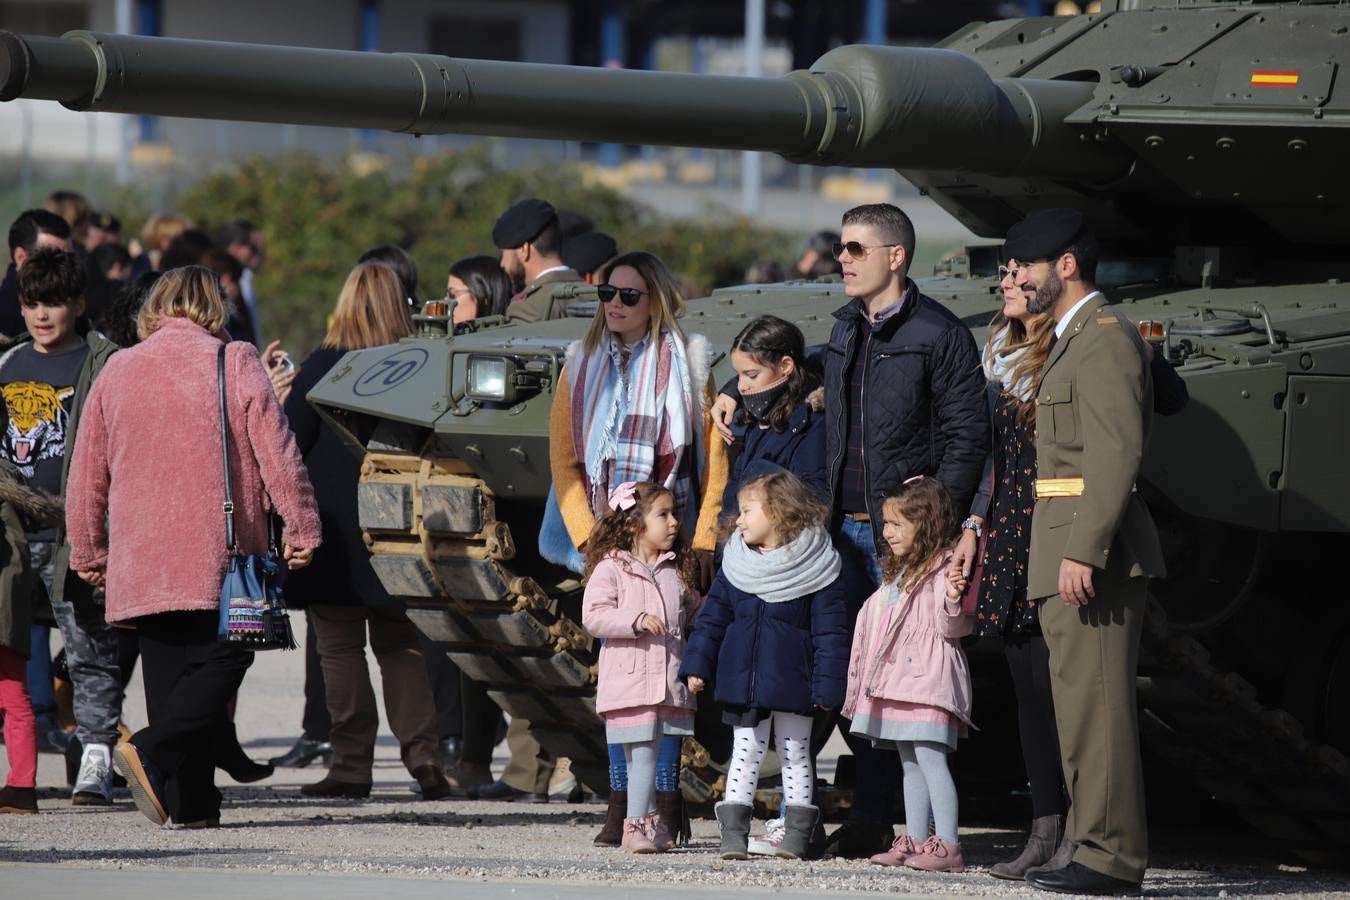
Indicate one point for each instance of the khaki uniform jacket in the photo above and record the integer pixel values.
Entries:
(536, 303)
(1094, 410)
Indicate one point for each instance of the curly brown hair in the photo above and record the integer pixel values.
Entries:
(788, 503)
(618, 530)
(926, 505)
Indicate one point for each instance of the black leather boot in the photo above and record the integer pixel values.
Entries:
(1046, 834)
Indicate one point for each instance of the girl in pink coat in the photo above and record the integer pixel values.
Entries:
(908, 681)
(641, 601)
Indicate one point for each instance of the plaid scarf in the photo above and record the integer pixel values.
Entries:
(642, 421)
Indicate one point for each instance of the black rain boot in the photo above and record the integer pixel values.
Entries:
(611, 835)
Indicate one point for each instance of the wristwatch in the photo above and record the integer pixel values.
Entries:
(973, 524)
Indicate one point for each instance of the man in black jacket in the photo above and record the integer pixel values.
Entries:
(904, 396)
(33, 230)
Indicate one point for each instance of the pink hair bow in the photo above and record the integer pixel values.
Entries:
(913, 479)
(624, 496)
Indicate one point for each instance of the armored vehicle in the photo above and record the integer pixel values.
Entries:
(1204, 141)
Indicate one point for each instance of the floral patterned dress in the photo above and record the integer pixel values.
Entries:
(1002, 607)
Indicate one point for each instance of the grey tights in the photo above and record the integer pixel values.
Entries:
(641, 761)
(928, 785)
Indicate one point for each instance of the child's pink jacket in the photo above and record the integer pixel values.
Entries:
(639, 669)
(918, 659)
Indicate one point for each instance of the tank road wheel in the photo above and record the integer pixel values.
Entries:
(436, 542)
(1211, 569)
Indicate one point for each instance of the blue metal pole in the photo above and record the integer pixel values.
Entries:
(874, 22)
(149, 22)
(613, 51)
(368, 39)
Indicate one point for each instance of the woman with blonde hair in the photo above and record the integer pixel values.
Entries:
(632, 405)
(341, 593)
(146, 521)
(158, 234)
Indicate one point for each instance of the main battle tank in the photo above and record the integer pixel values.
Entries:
(1203, 141)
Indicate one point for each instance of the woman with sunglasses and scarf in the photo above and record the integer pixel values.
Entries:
(632, 405)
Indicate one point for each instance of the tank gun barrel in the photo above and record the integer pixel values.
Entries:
(857, 106)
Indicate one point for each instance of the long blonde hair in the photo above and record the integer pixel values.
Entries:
(189, 292)
(1007, 336)
(371, 310)
(667, 303)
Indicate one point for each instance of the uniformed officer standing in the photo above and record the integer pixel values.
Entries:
(530, 239)
(1093, 547)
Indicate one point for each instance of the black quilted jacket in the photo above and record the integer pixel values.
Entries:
(923, 398)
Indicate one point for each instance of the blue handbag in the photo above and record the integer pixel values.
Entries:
(252, 613)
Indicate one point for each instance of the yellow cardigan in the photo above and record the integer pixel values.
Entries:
(569, 473)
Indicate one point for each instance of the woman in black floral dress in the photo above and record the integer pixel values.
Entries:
(1018, 344)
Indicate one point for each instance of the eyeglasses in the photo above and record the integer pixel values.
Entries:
(628, 296)
(855, 249)
(1014, 266)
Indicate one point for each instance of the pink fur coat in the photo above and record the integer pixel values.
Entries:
(144, 497)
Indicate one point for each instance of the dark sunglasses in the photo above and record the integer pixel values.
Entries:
(628, 296)
(855, 249)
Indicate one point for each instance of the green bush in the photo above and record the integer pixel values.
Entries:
(319, 216)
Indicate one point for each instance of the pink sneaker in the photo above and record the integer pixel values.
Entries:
(936, 855)
(661, 837)
(635, 837)
(901, 850)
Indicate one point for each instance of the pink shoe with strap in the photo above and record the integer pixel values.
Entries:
(636, 838)
(660, 834)
(901, 850)
(936, 855)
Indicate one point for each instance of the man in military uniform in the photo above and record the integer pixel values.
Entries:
(530, 239)
(1093, 547)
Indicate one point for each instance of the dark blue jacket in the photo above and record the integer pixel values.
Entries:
(786, 657)
(923, 401)
(800, 449)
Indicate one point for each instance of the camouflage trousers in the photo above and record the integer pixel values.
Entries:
(91, 655)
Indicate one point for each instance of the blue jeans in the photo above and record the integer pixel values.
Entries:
(667, 765)
(859, 552)
(40, 686)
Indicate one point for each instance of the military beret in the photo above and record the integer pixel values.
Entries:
(1043, 234)
(105, 221)
(588, 252)
(572, 223)
(522, 223)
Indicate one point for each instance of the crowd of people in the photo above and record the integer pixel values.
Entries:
(800, 549)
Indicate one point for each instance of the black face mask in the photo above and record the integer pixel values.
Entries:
(759, 404)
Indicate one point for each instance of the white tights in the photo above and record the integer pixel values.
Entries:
(793, 742)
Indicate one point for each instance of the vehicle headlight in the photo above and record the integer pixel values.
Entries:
(491, 378)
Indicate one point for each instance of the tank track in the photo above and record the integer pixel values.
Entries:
(436, 541)
(1257, 760)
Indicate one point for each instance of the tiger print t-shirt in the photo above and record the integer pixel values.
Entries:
(39, 391)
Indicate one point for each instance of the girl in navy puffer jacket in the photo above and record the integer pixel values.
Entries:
(773, 640)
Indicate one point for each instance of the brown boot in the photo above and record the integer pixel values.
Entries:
(612, 834)
(1046, 833)
(672, 817)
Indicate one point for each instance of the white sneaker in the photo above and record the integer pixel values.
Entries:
(93, 786)
(767, 844)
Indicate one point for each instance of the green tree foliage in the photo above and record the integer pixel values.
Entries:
(319, 216)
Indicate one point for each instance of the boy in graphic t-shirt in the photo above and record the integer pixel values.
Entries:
(44, 378)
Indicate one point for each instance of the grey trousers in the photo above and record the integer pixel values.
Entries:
(92, 654)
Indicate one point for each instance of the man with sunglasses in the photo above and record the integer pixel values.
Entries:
(1093, 547)
(904, 396)
(530, 238)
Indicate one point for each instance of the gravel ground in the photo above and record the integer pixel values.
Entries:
(270, 828)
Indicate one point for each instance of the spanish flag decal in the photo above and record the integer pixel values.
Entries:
(1275, 79)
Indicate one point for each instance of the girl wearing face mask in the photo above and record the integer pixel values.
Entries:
(781, 420)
